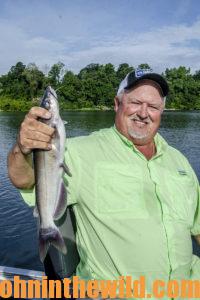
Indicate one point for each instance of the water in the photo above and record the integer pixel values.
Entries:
(18, 236)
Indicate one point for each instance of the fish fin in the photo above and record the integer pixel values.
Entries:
(35, 212)
(43, 248)
(48, 236)
(65, 168)
(59, 243)
(61, 203)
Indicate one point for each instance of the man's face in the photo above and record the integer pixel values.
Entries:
(138, 114)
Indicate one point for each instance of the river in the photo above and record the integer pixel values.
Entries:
(18, 235)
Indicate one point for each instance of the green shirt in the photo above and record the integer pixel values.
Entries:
(134, 216)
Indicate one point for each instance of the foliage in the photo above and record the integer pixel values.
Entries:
(123, 70)
(35, 80)
(55, 74)
(184, 89)
(8, 104)
(93, 87)
(144, 66)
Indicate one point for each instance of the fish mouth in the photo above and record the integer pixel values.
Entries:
(52, 92)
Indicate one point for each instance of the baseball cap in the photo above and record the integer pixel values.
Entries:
(137, 75)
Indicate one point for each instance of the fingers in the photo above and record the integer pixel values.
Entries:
(35, 125)
(33, 133)
(27, 145)
(38, 136)
(38, 112)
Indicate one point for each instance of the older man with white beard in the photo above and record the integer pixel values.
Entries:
(135, 198)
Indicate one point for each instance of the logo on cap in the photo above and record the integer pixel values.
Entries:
(141, 72)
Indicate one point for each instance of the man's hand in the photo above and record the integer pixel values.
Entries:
(34, 134)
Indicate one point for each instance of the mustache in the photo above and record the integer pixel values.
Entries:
(146, 120)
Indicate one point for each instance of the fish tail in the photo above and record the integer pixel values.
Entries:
(50, 236)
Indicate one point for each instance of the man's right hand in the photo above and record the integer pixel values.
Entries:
(34, 134)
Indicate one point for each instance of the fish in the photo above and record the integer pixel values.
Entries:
(49, 167)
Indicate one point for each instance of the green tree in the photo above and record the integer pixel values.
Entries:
(184, 90)
(196, 76)
(144, 66)
(55, 74)
(94, 86)
(14, 84)
(35, 80)
(70, 89)
(98, 84)
(122, 71)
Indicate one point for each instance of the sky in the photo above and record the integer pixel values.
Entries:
(162, 33)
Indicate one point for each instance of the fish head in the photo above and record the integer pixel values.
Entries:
(49, 101)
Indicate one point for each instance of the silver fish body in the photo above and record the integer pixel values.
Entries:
(51, 198)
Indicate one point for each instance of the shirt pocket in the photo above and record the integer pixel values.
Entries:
(119, 190)
(183, 197)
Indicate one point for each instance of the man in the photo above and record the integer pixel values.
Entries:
(135, 198)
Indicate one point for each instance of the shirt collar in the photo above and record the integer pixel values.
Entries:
(161, 144)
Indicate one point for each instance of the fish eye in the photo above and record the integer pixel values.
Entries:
(47, 103)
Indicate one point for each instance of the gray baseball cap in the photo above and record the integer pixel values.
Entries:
(136, 76)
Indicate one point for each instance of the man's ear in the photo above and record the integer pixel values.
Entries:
(116, 105)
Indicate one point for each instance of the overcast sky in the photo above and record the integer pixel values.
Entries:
(79, 32)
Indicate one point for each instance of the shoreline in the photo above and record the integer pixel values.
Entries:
(105, 109)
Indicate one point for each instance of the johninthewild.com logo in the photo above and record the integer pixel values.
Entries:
(122, 288)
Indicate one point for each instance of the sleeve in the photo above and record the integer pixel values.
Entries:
(28, 196)
(195, 230)
(71, 182)
(73, 162)
(196, 225)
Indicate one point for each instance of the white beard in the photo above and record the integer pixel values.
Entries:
(137, 135)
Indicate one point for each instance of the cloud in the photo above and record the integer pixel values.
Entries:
(168, 46)
(16, 45)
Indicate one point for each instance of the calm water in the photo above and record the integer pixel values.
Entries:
(18, 246)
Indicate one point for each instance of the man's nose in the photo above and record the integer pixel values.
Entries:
(143, 111)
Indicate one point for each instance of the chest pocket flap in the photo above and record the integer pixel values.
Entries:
(182, 198)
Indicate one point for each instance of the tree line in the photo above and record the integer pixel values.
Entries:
(94, 87)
